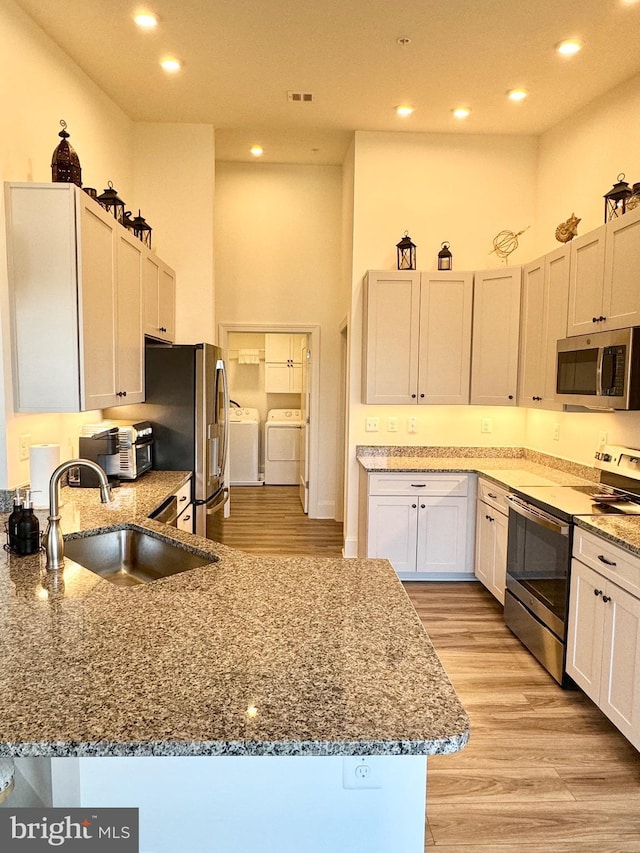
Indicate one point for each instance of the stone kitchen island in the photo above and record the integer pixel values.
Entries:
(253, 704)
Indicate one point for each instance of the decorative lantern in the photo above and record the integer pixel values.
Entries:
(142, 230)
(406, 253)
(445, 258)
(127, 220)
(65, 165)
(615, 201)
(110, 201)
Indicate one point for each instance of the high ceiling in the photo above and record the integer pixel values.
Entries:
(241, 58)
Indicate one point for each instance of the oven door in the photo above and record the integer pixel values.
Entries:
(538, 557)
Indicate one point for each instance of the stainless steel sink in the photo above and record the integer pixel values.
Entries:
(129, 557)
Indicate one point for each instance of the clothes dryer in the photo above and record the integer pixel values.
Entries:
(282, 447)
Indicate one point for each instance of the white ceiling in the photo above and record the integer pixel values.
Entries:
(242, 56)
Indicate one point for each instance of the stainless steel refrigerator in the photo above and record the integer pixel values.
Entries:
(187, 401)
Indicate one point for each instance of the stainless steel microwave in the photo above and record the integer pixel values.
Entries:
(600, 371)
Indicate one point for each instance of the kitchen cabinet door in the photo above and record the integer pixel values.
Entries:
(545, 297)
(621, 296)
(585, 633)
(586, 283)
(75, 282)
(390, 337)
(444, 362)
(491, 549)
(442, 535)
(620, 672)
(496, 321)
(159, 299)
(392, 528)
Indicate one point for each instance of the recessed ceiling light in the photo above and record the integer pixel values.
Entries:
(146, 20)
(461, 112)
(404, 109)
(569, 47)
(517, 94)
(171, 64)
(257, 150)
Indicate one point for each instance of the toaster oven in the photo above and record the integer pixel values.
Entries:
(134, 456)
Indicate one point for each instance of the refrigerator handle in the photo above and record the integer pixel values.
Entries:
(221, 370)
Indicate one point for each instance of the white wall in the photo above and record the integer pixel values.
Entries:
(278, 256)
(175, 182)
(579, 161)
(464, 189)
(42, 86)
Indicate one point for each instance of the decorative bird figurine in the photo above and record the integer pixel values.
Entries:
(567, 230)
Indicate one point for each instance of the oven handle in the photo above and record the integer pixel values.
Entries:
(538, 517)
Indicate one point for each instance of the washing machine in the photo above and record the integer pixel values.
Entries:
(244, 436)
(282, 447)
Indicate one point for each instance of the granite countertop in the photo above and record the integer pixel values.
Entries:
(620, 530)
(509, 471)
(244, 656)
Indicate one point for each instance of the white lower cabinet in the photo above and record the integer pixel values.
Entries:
(491, 538)
(421, 523)
(603, 643)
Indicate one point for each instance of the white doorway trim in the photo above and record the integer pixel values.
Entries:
(314, 438)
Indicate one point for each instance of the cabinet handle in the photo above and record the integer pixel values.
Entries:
(187, 518)
(594, 319)
(422, 506)
(414, 506)
(601, 318)
(121, 393)
(511, 396)
(413, 396)
(418, 485)
(162, 329)
(491, 495)
(597, 592)
(604, 560)
(606, 598)
(183, 498)
(422, 396)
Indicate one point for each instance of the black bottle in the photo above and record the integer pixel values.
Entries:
(12, 523)
(28, 540)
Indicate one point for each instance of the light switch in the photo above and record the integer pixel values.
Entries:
(392, 425)
(556, 432)
(486, 425)
(412, 425)
(372, 424)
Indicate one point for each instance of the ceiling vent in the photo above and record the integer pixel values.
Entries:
(300, 97)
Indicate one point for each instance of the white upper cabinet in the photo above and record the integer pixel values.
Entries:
(545, 289)
(603, 292)
(75, 280)
(417, 337)
(283, 363)
(496, 321)
(621, 296)
(159, 299)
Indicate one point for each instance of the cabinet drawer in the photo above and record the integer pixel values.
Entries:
(419, 484)
(493, 495)
(185, 519)
(183, 496)
(607, 559)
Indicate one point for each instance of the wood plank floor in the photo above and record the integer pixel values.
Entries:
(269, 520)
(544, 771)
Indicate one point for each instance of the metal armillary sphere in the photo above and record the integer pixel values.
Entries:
(65, 165)
(505, 243)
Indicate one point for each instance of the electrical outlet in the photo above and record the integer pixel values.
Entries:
(392, 425)
(556, 432)
(361, 772)
(412, 425)
(486, 425)
(372, 424)
(602, 437)
(24, 442)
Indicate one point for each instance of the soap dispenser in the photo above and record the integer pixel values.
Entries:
(28, 538)
(12, 523)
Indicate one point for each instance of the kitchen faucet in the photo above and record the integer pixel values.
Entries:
(53, 542)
